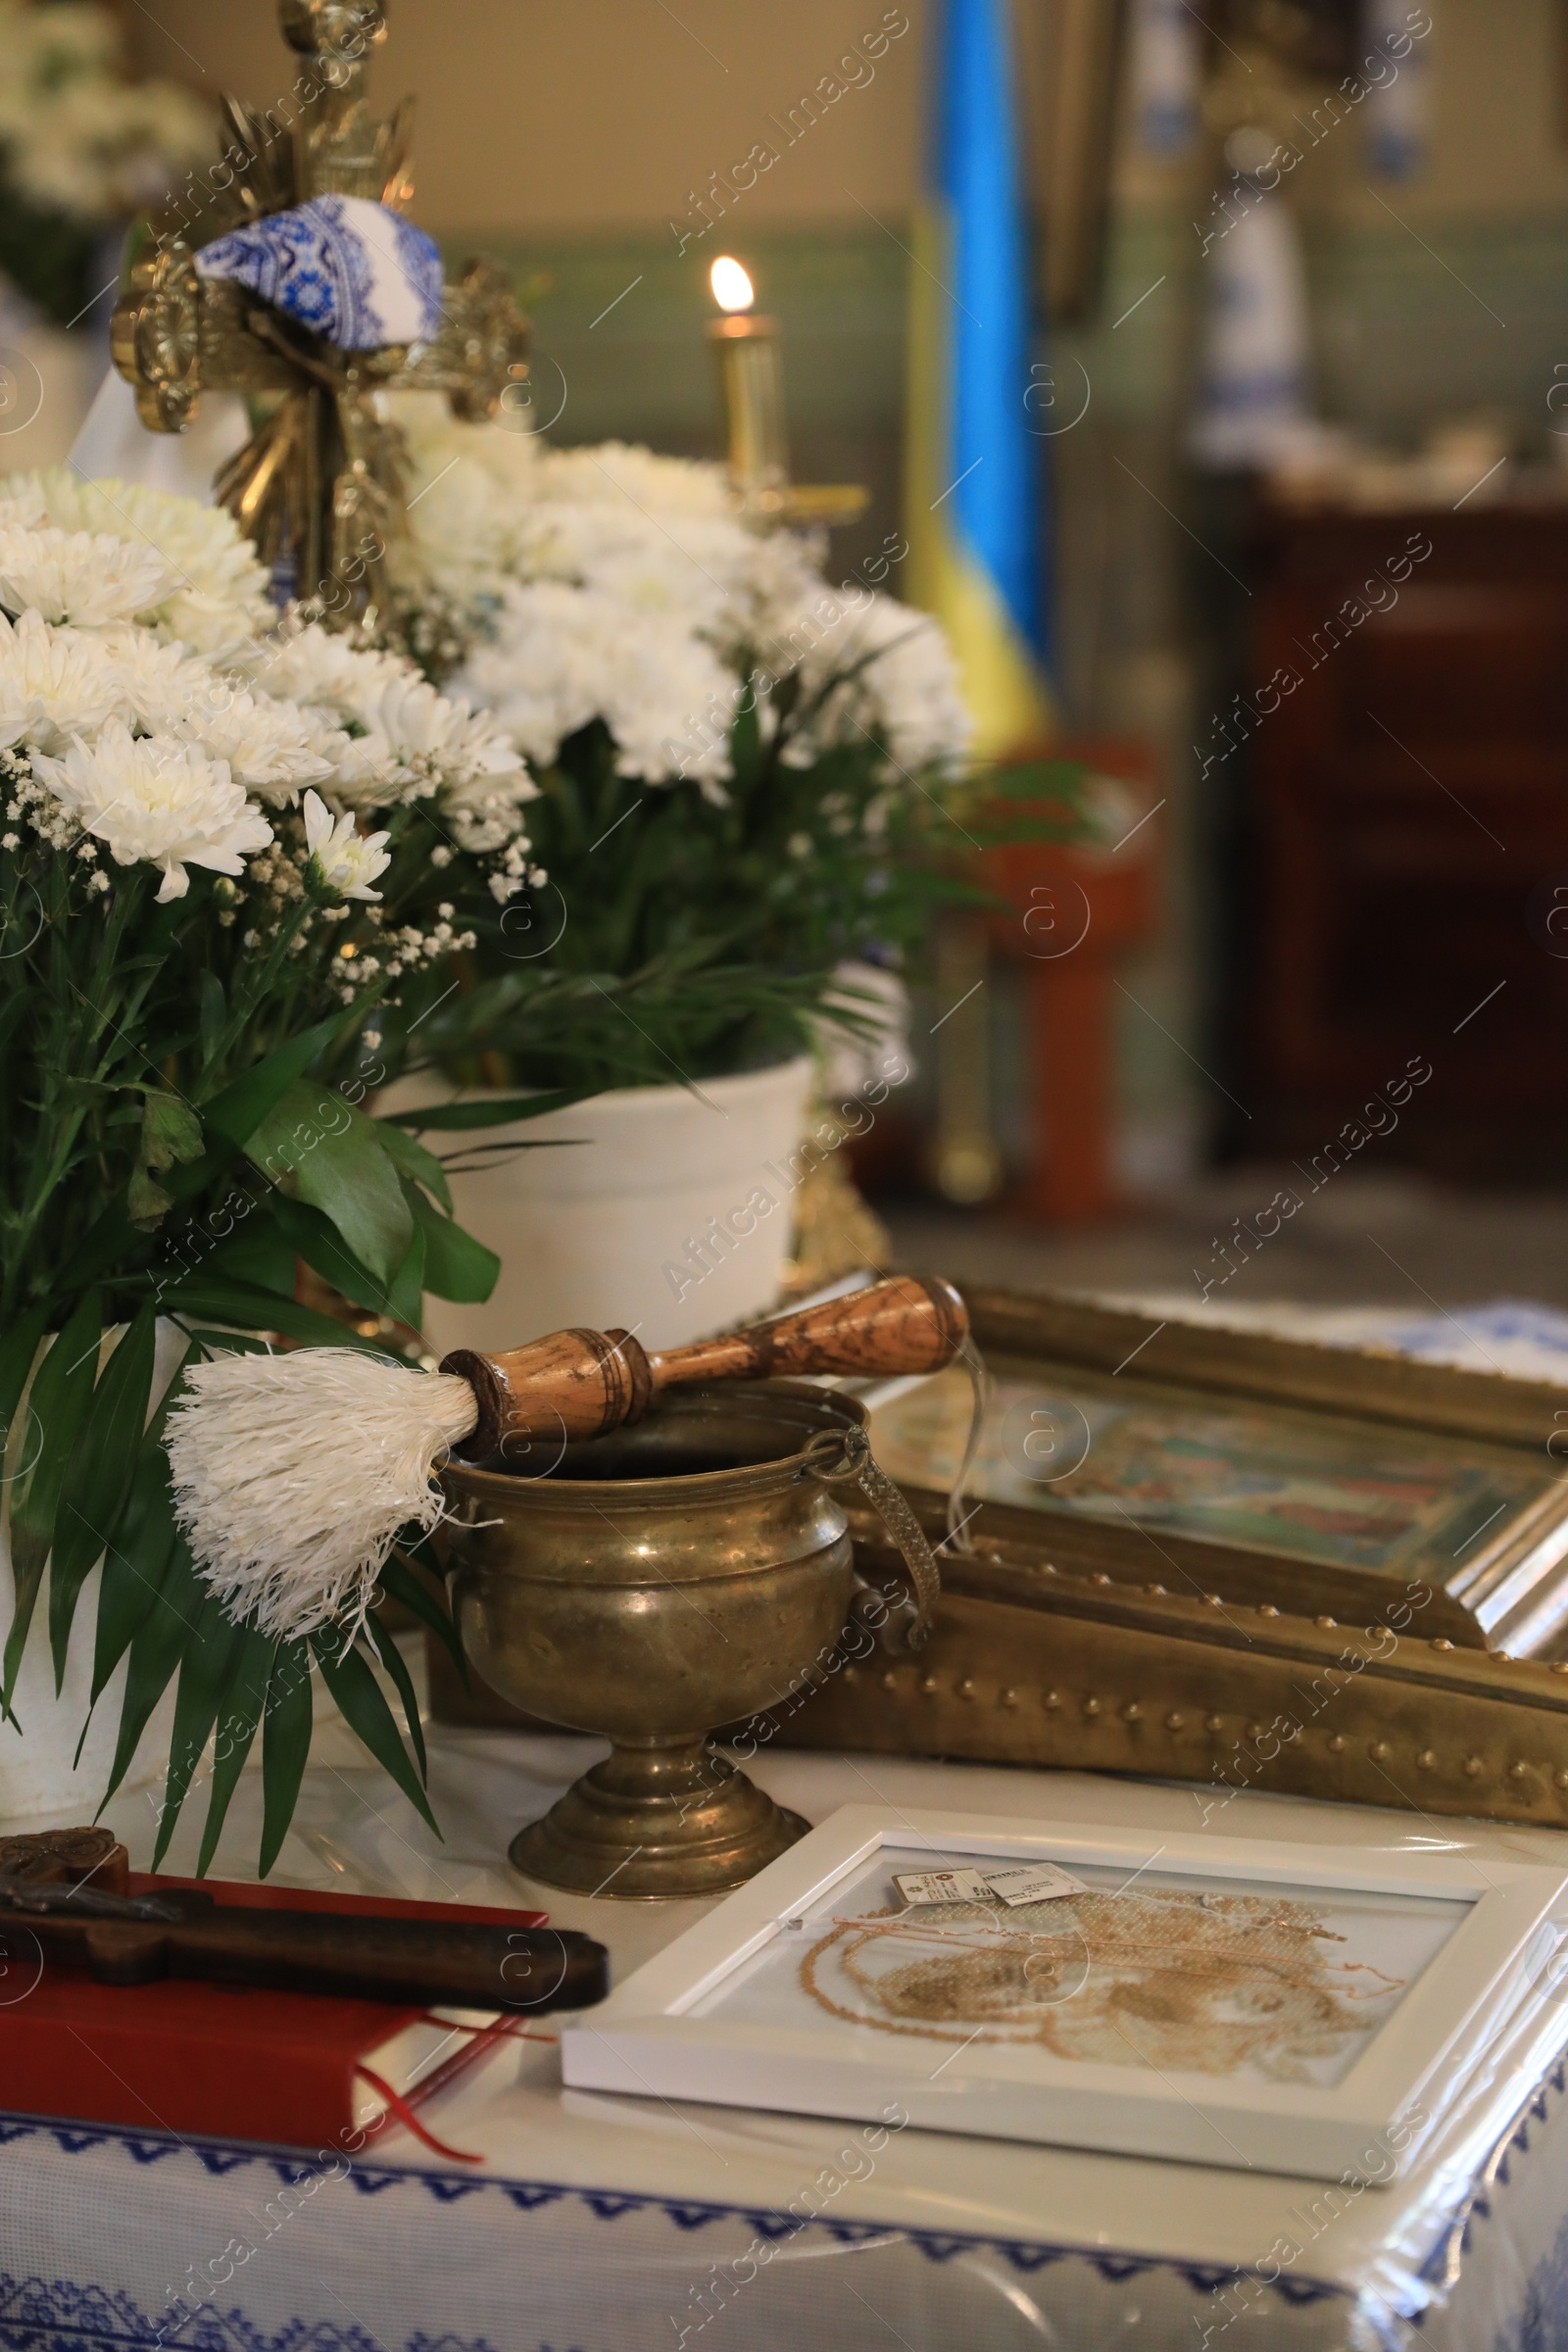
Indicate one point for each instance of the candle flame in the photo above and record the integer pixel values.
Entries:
(732, 288)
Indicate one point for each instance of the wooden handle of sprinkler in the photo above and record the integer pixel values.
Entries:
(398, 1960)
(582, 1384)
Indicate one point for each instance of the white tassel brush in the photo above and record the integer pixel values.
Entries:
(295, 1474)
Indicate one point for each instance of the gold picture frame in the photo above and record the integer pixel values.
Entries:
(1271, 1471)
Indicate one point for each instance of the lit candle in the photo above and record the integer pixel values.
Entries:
(752, 372)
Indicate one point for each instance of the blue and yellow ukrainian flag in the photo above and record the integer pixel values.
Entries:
(975, 482)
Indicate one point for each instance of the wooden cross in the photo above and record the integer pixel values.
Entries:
(320, 486)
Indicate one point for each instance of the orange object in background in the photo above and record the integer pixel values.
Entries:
(1074, 911)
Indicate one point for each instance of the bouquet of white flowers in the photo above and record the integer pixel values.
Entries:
(82, 148)
(746, 772)
(210, 829)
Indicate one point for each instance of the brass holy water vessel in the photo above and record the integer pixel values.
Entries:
(684, 1572)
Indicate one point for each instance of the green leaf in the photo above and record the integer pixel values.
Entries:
(412, 1160)
(17, 1350)
(240, 1108)
(391, 1657)
(136, 1563)
(456, 1265)
(1039, 780)
(60, 1395)
(209, 1660)
(399, 1582)
(262, 1310)
(170, 1131)
(405, 1301)
(91, 1504)
(134, 1566)
(229, 1343)
(286, 1745)
(358, 1699)
(110, 1240)
(214, 1013)
(156, 1651)
(317, 1241)
(503, 1111)
(317, 1146)
(146, 1201)
(244, 1703)
(260, 1251)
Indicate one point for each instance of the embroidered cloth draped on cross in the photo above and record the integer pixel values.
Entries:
(355, 273)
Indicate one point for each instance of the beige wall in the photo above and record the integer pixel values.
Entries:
(1500, 111)
(547, 114)
(1500, 72)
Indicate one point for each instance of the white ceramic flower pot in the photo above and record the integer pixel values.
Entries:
(39, 1773)
(658, 1209)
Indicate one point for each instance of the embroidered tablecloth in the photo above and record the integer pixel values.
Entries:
(612, 2225)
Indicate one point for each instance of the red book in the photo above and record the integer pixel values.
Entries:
(294, 2069)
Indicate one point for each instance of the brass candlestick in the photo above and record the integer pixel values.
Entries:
(751, 371)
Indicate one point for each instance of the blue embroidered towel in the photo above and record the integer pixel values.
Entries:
(353, 271)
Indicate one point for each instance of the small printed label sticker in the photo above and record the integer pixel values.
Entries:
(942, 1887)
(1033, 1882)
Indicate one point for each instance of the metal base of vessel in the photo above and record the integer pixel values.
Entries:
(660, 1818)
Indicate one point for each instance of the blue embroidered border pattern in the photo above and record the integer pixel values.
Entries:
(1442, 2266)
(311, 262)
(419, 258)
(40, 2318)
(60, 2317)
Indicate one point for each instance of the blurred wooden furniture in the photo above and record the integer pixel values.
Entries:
(1072, 912)
(1403, 826)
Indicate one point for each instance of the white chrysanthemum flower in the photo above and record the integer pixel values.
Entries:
(343, 861)
(56, 685)
(690, 567)
(493, 506)
(888, 671)
(565, 656)
(783, 578)
(216, 600)
(466, 533)
(323, 732)
(160, 683)
(471, 487)
(22, 509)
(270, 747)
(626, 473)
(507, 458)
(81, 138)
(86, 578)
(158, 802)
(419, 742)
(313, 666)
(610, 583)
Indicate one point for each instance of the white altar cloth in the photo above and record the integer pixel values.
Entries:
(601, 2223)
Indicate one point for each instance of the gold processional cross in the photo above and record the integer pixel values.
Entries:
(319, 485)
